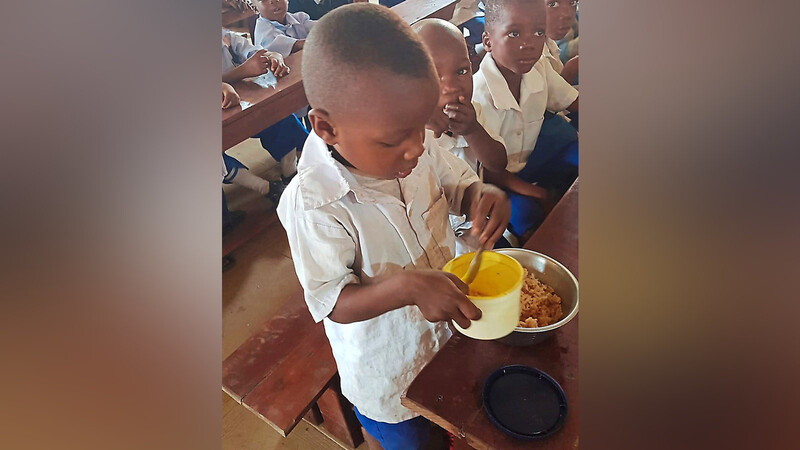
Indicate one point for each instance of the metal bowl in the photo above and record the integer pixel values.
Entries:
(554, 274)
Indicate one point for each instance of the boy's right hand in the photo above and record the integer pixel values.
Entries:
(440, 296)
(229, 96)
(256, 65)
(438, 123)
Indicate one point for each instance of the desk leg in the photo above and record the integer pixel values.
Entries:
(338, 416)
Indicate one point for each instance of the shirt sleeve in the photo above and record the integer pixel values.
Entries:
(323, 253)
(492, 131)
(454, 174)
(241, 48)
(559, 92)
(268, 37)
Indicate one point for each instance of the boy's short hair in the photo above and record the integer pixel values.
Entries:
(438, 25)
(354, 41)
(493, 8)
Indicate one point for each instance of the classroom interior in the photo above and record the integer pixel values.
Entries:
(257, 286)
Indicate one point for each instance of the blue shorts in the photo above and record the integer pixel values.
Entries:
(411, 434)
(553, 165)
(286, 135)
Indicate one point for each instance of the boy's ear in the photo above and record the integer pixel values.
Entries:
(487, 44)
(322, 126)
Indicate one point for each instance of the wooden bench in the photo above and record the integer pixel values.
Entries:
(286, 371)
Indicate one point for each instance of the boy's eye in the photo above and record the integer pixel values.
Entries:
(538, 33)
(573, 3)
(552, 4)
(463, 71)
(513, 34)
(387, 144)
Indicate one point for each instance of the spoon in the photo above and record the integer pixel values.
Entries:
(472, 271)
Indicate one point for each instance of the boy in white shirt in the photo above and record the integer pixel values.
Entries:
(561, 16)
(516, 88)
(455, 122)
(367, 215)
(278, 30)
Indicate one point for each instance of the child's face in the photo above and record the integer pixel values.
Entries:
(453, 66)
(273, 9)
(381, 131)
(516, 39)
(560, 17)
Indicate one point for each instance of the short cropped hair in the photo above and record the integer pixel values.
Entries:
(493, 8)
(354, 41)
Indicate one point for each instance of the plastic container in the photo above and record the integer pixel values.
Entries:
(496, 292)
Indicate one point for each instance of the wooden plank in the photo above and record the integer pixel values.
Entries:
(231, 16)
(557, 236)
(257, 357)
(314, 416)
(338, 416)
(256, 221)
(412, 11)
(290, 390)
(268, 105)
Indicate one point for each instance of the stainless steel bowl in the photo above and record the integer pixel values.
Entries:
(554, 274)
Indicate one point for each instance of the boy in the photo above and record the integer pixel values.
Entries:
(560, 18)
(516, 87)
(278, 30)
(241, 59)
(455, 122)
(366, 217)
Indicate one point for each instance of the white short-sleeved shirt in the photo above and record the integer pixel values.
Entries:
(342, 232)
(235, 49)
(276, 37)
(466, 10)
(518, 124)
(553, 54)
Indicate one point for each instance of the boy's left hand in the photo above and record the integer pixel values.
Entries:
(277, 65)
(489, 202)
(462, 116)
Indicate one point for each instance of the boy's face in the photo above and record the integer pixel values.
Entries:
(273, 9)
(380, 132)
(560, 17)
(452, 63)
(516, 38)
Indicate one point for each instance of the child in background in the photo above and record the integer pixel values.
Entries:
(241, 59)
(455, 121)
(517, 88)
(278, 30)
(367, 216)
(560, 18)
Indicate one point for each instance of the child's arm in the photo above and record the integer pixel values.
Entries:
(438, 295)
(509, 181)
(256, 65)
(464, 121)
(570, 71)
(229, 96)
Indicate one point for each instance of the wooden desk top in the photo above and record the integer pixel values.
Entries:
(448, 390)
(268, 105)
(412, 11)
(231, 16)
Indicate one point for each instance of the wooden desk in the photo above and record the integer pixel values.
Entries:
(412, 11)
(268, 105)
(231, 16)
(448, 390)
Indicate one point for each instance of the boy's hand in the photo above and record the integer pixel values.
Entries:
(438, 123)
(489, 202)
(229, 96)
(440, 296)
(276, 64)
(257, 64)
(461, 115)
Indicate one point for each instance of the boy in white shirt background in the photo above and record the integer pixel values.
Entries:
(278, 30)
(367, 215)
(516, 88)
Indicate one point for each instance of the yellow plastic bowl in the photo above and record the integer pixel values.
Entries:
(496, 292)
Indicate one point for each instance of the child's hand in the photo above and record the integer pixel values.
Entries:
(276, 64)
(257, 64)
(461, 115)
(229, 96)
(489, 202)
(440, 296)
(437, 123)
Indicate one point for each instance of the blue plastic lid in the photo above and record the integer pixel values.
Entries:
(524, 402)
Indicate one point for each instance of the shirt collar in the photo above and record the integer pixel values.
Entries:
(502, 98)
(324, 180)
(290, 21)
